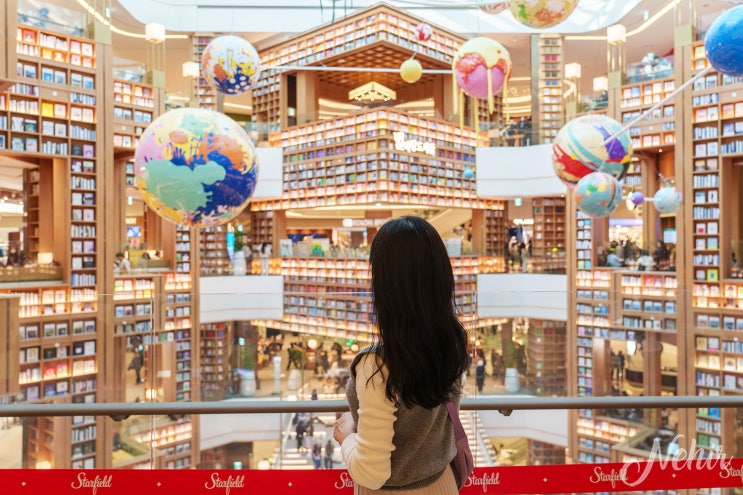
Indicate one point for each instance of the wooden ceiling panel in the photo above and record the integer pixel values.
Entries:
(381, 55)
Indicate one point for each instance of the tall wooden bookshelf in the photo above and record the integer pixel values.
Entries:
(549, 241)
(379, 36)
(714, 192)
(657, 130)
(57, 118)
(380, 155)
(51, 119)
(698, 308)
(543, 453)
(550, 66)
(331, 296)
(545, 360)
(215, 352)
(205, 95)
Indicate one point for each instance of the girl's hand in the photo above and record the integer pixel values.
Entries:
(344, 426)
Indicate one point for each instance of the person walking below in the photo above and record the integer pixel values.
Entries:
(480, 375)
(329, 451)
(317, 455)
(265, 256)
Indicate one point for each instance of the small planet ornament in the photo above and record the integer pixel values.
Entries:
(598, 194)
(667, 200)
(411, 70)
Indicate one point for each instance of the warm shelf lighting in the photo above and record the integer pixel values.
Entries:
(600, 84)
(372, 91)
(45, 258)
(191, 69)
(573, 71)
(616, 34)
(154, 32)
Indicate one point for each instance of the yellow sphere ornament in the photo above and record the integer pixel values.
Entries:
(411, 70)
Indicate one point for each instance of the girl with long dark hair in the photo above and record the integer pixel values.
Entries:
(398, 434)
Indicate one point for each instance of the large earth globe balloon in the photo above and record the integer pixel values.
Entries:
(480, 68)
(541, 14)
(598, 194)
(195, 167)
(667, 200)
(724, 42)
(230, 64)
(579, 149)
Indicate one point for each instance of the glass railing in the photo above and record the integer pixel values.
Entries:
(552, 262)
(651, 460)
(30, 273)
(133, 379)
(52, 17)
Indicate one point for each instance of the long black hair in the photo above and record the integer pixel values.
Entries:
(423, 343)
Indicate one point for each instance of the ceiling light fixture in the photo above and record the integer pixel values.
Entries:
(191, 69)
(372, 91)
(154, 32)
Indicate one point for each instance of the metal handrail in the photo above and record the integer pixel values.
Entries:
(253, 406)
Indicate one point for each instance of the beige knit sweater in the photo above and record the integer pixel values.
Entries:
(393, 447)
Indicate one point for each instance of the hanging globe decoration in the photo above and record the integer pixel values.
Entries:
(637, 198)
(667, 200)
(598, 194)
(468, 173)
(411, 70)
(724, 42)
(481, 67)
(423, 32)
(195, 167)
(579, 149)
(493, 8)
(230, 64)
(541, 14)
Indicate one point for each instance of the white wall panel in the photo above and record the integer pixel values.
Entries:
(527, 295)
(270, 174)
(546, 426)
(251, 297)
(517, 172)
(223, 429)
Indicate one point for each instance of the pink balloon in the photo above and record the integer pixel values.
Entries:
(477, 81)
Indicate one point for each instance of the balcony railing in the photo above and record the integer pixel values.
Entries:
(656, 469)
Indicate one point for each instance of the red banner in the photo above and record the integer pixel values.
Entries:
(641, 476)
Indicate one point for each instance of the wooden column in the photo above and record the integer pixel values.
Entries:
(283, 103)
(478, 232)
(372, 231)
(601, 355)
(278, 230)
(651, 374)
(8, 23)
(54, 211)
(9, 358)
(307, 105)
